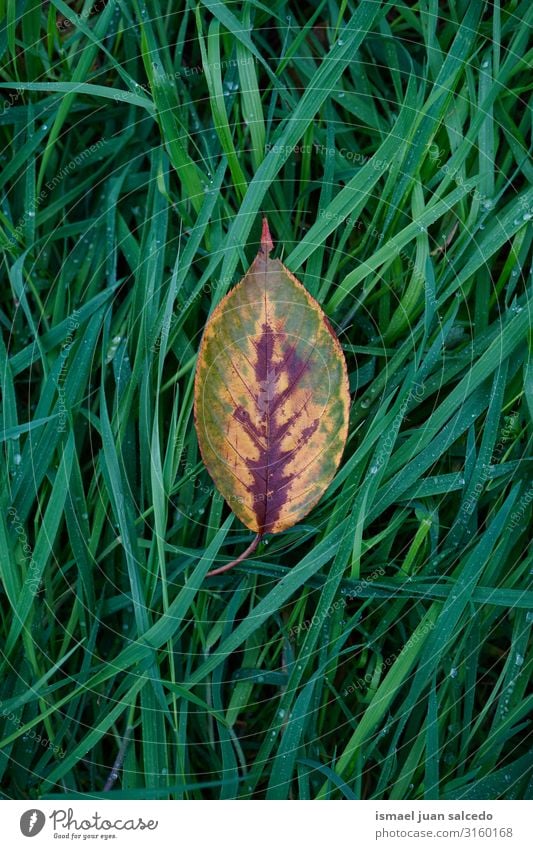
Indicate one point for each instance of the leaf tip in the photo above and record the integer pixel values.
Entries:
(267, 245)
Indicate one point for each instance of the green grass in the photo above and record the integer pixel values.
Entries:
(379, 648)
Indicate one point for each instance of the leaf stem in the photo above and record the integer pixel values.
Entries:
(253, 545)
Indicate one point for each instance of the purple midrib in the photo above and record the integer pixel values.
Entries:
(270, 478)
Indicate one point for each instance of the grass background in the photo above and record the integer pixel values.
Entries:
(379, 648)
